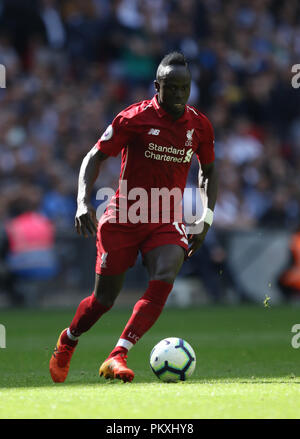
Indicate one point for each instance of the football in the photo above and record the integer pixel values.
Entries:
(172, 360)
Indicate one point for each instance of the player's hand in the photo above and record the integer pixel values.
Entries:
(85, 220)
(196, 240)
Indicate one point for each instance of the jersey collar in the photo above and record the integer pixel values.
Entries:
(162, 113)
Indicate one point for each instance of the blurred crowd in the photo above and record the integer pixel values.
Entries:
(72, 65)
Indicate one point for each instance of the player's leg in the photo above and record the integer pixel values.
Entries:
(163, 264)
(98, 303)
(87, 314)
(163, 251)
(115, 255)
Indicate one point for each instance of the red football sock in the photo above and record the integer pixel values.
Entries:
(66, 340)
(146, 311)
(87, 314)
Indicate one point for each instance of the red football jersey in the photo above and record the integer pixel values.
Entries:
(156, 149)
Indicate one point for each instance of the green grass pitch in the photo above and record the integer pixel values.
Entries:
(246, 367)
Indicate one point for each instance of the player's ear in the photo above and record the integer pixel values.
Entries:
(156, 85)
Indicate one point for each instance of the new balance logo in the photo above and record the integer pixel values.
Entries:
(154, 131)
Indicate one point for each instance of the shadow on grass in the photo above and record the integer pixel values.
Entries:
(88, 381)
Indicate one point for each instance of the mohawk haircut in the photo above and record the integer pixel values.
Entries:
(174, 59)
(171, 59)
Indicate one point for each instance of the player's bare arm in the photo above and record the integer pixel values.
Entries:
(208, 185)
(85, 219)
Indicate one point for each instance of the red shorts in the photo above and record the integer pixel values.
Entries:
(118, 244)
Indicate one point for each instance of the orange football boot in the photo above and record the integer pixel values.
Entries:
(60, 361)
(116, 367)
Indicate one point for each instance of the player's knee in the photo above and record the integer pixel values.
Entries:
(165, 275)
(107, 289)
(106, 299)
(164, 263)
